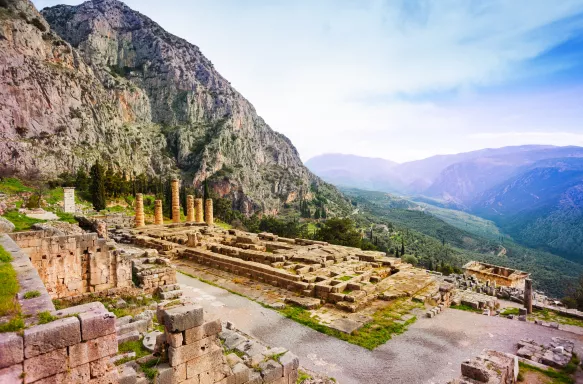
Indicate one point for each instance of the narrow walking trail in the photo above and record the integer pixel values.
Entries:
(431, 351)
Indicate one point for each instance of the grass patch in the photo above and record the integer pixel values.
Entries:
(467, 308)
(344, 278)
(5, 257)
(9, 286)
(509, 311)
(31, 294)
(45, 317)
(66, 217)
(149, 369)
(134, 346)
(302, 376)
(223, 224)
(12, 185)
(21, 222)
(54, 196)
(370, 336)
(13, 325)
(550, 316)
(556, 376)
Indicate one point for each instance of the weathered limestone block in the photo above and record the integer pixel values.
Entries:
(69, 199)
(270, 371)
(183, 317)
(208, 212)
(171, 375)
(210, 328)
(77, 375)
(204, 363)
(92, 350)
(140, 220)
(198, 214)
(11, 374)
(54, 335)
(158, 213)
(96, 324)
(185, 353)
(175, 201)
(45, 365)
(290, 362)
(11, 349)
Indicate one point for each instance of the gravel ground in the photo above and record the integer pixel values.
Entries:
(431, 351)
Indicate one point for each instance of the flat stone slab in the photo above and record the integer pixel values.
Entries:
(304, 302)
(345, 325)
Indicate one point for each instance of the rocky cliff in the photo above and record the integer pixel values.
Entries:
(100, 80)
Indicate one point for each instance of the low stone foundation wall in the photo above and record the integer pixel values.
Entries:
(76, 264)
(195, 354)
(76, 348)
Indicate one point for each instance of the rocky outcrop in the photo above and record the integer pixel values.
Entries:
(101, 81)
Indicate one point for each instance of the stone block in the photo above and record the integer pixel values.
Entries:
(182, 318)
(185, 353)
(45, 365)
(92, 350)
(77, 375)
(94, 306)
(289, 362)
(54, 335)
(131, 336)
(101, 367)
(111, 377)
(475, 371)
(95, 324)
(241, 373)
(210, 328)
(140, 325)
(204, 363)
(11, 349)
(11, 374)
(171, 375)
(123, 320)
(175, 339)
(293, 377)
(270, 370)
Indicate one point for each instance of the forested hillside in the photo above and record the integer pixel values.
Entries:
(433, 241)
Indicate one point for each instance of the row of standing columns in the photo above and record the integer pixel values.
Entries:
(194, 211)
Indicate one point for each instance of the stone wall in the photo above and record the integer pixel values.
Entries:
(76, 348)
(195, 353)
(76, 264)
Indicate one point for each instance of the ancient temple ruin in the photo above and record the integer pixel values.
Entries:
(502, 276)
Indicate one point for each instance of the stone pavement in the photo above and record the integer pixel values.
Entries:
(431, 351)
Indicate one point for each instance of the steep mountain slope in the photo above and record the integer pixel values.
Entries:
(542, 206)
(109, 83)
(355, 171)
(55, 114)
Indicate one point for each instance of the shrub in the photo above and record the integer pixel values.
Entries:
(39, 24)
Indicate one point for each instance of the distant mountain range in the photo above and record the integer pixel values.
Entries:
(534, 193)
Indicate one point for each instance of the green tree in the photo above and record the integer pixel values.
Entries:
(97, 187)
(340, 232)
(317, 214)
(82, 181)
(402, 246)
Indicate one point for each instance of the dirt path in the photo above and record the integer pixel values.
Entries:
(431, 351)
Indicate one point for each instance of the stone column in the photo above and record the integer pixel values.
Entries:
(69, 199)
(189, 208)
(198, 211)
(140, 210)
(175, 202)
(528, 295)
(158, 215)
(208, 212)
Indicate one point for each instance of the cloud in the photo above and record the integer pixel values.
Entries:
(394, 79)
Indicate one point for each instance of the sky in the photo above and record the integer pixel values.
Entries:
(401, 80)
